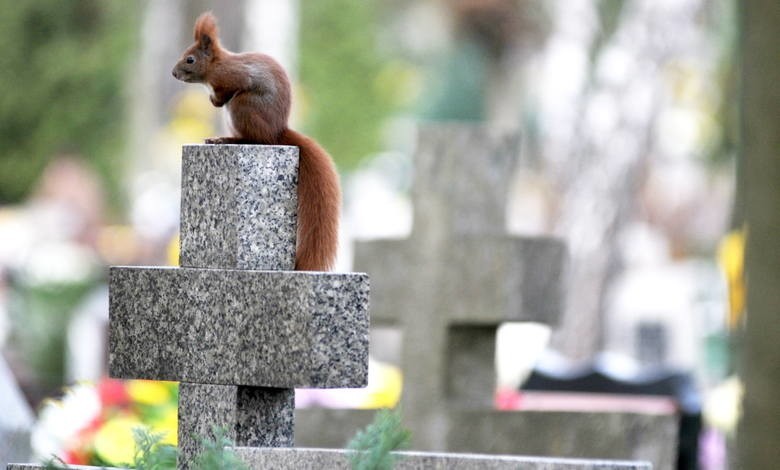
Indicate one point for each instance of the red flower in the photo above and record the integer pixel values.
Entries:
(76, 457)
(112, 392)
(92, 427)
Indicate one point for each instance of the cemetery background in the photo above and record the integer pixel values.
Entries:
(608, 111)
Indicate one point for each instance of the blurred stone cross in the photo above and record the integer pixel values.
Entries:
(458, 277)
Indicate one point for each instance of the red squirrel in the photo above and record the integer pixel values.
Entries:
(256, 91)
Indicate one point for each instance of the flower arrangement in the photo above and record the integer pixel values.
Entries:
(92, 424)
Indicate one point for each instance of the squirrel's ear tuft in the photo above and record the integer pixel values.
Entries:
(206, 31)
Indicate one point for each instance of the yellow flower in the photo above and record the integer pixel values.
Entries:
(384, 388)
(167, 423)
(148, 392)
(173, 250)
(731, 256)
(114, 442)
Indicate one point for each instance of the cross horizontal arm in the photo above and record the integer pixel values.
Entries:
(240, 327)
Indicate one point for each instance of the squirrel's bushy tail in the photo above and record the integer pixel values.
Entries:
(319, 203)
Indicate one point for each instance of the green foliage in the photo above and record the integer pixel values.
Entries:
(150, 454)
(723, 22)
(344, 99)
(372, 446)
(61, 73)
(39, 315)
(55, 463)
(215, 456)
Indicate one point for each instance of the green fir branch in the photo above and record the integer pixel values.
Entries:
(372, 446)
(216, 453)
(150, 453)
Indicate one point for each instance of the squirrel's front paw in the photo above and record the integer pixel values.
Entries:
(214, 140)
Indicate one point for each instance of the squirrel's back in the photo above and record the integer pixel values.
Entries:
(260, 108)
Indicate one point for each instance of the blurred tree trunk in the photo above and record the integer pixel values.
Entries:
(166, 32)
(151, 89)
(601, 178)
(760, 355)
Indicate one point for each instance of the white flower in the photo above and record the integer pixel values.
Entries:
(60, 262)
(59, 421)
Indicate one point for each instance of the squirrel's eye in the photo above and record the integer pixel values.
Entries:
(190, 59)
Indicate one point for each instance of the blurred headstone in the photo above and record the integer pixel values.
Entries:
(16, 419)
(613, 379)
(447, 288)
(459, 276)
(87, 338)
(651, 343)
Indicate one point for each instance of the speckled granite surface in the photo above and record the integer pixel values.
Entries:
(251, 416)
(239, 206)
(239, 211)
(201, 408)
(238, 327)
(265, 417)
(273, 459)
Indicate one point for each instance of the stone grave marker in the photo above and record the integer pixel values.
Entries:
(448, 287)
(234, 324)
(651, 343)
(459, 275)
(16, 419)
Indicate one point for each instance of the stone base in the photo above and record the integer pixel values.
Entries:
(14, 445)
(16, 419)
(271, 459)
(310, 459)
(327, 427)
(566, 434)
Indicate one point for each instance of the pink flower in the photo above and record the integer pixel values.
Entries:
(508, 399)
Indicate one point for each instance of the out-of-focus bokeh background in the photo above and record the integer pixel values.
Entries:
(629, 117)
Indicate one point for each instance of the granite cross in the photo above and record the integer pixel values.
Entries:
(237, 330)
